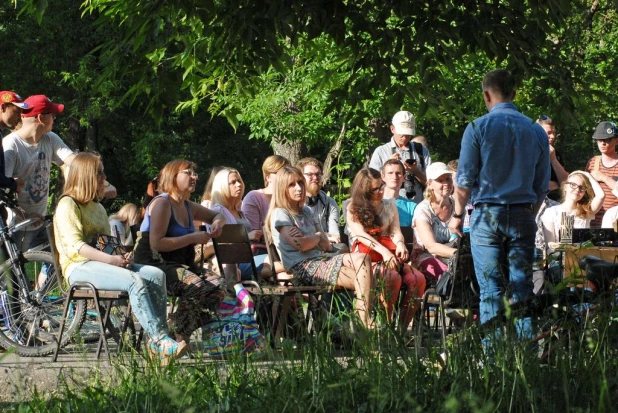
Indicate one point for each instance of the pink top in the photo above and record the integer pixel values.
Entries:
(255, 207)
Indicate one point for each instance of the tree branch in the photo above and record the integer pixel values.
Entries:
(332, 154)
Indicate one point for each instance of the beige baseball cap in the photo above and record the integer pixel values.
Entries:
(404, 124)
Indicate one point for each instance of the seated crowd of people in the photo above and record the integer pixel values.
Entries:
(401, 188)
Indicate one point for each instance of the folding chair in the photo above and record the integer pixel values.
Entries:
(233, 247)
(87, 291)
(463, 293)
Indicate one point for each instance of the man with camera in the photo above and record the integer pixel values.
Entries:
(414, 156)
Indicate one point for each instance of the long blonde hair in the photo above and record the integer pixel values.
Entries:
(82, 181)
(221, 189)
(280, 198)
(129, 214)
(583, 207)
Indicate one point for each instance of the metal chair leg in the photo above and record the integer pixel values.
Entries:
(67, 302)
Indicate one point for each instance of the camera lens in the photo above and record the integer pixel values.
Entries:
(408, 185)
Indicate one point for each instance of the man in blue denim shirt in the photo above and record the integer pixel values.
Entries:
(504, 165)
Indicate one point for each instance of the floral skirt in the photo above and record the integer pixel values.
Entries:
(322, 270)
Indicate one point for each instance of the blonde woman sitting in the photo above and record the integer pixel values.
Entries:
(121, 222)
(582, 198)
(226, 198)
(303, 245)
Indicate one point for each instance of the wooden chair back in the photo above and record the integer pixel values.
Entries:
(233, 247)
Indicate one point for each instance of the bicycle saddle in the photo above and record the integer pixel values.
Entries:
(599, 271)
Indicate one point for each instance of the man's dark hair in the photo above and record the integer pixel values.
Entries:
(500, 81)
(393, 162)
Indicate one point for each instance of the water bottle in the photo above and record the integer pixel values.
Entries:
(453, 236)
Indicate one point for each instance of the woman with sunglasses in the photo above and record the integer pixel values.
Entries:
(369, 217)
(582, 198)
(167, 240)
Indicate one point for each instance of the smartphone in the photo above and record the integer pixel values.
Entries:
(410, 161)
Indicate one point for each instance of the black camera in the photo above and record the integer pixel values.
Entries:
(408, 185)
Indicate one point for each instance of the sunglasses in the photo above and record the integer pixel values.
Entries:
(378, 189)
(607, 140)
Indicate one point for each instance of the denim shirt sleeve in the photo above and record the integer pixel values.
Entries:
(470, 157)
(543, 166)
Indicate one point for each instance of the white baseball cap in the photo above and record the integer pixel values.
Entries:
(437, 169)
(404, 123)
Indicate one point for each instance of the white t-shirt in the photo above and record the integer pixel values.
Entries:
(553, 215)
(610, 216)
(32, 163)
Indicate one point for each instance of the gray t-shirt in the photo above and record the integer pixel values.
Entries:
(32, 163)
(305, 222)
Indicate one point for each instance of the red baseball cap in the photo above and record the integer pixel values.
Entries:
(38, 104)
(7, 96)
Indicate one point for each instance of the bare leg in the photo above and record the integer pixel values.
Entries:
(356, 275)
(415, 283)
(390, 291)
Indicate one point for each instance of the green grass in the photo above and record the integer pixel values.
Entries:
(379, 374)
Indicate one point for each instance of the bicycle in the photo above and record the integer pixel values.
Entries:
(31, 305)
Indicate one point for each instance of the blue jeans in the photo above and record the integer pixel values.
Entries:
(145, 285)
(246, 272)
(502, 241)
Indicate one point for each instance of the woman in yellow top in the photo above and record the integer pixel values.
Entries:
(78, 220)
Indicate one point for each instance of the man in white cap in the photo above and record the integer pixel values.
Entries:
(415, 159)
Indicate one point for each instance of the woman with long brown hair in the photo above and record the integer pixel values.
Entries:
(369, 217)
(303, 245)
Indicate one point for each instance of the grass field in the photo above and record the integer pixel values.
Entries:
(379, 372)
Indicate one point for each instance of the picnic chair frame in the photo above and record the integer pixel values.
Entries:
(285, 293)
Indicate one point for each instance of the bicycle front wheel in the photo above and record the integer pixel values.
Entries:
(32, 303)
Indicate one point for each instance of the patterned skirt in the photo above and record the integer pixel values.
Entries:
(322, 270)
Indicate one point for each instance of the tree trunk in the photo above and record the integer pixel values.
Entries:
(91, 136)
(73, 138)
(292, 150)
(333, 153)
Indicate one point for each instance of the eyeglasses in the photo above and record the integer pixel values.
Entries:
(313, 175)
(190, 172)
(574, 187)
(379, 189)
(608, 140)
(49, 113)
